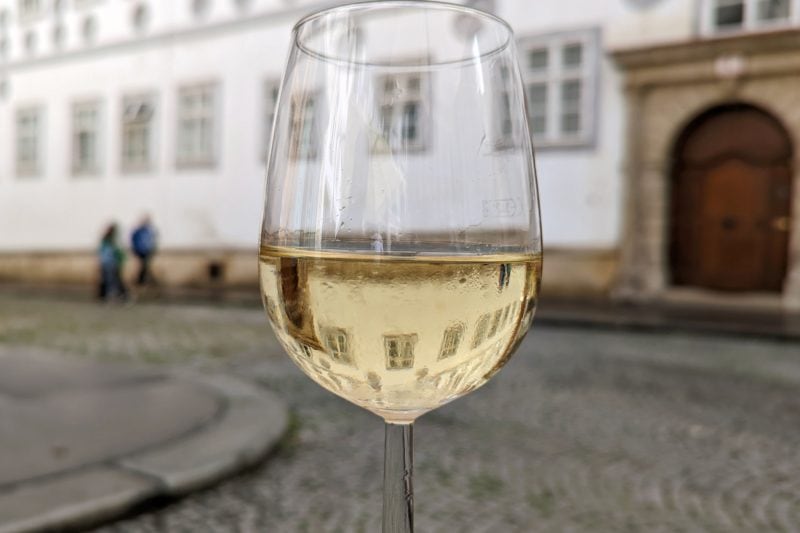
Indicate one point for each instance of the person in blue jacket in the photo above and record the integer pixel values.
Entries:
(143, 243)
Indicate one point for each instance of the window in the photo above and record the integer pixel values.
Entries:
(85, 135)
(137, 132)
(196, 125)
(89, 29)
(733, 15)
(506, 130)
(304, 119)
(504, 320)
(495, 323)
(560, 73)
(29, 126)
(399, 351)
(728, 13)
(451, 340)
(773, 10)
(402, 110)
(30, 42)
(270, 103)
(140, 18)
(480, 330)
(58, 35)
(337, 342)
(200, 7)
(306, 350)
(29, 9)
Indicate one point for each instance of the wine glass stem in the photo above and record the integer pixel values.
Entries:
(398, 489)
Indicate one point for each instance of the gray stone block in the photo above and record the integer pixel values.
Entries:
(72, 500)
(249, 428)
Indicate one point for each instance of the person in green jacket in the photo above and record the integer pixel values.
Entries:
(111, 258)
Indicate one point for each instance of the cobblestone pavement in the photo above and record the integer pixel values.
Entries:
(584, 431)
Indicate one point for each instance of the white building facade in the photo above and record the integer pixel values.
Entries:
(110, 109)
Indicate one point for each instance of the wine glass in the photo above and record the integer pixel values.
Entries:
(400, 253)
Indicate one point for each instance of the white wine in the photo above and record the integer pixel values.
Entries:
(399, 335)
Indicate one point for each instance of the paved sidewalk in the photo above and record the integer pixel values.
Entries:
(83, 441)
(764, 322)
(702, 312)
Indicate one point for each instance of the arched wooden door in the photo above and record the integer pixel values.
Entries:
(731, 194)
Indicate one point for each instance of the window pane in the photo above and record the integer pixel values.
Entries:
(572, 55)
(570, 123)
(450, 341)
(27, 142)
(538, 59)
(136, 120)
(538, 124)
(399, 351)
(386, 119)
(480, 330)
(571, 92)
(196, 125)
(507, 124)
(729, 13)
(85, 137)
(495, 323)
(537, 107)
(537, 94)
(410, 122)
(773, 9)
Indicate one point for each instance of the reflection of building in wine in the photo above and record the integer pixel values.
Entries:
(347, 346)
(159, 107)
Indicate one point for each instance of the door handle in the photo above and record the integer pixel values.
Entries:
(780, 223)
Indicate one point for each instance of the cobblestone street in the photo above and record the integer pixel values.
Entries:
(584, 431)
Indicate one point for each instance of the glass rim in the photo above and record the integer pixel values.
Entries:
(429, 5)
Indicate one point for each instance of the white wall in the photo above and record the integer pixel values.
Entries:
(212, 207)
(581, 188)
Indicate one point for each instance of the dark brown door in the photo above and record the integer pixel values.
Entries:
(731, 202)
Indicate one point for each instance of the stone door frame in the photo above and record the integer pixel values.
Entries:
(666, 88)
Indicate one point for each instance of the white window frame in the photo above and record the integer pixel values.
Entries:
(198, 156)
(89, 167)
(553, 77)
(137, 117)
(269, 108)
(28, 167)
(397, 101)
(750, 22)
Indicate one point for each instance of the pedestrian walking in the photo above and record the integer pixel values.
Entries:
(111, 258)
(143, 243)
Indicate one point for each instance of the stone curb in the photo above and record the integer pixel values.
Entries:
(249, 426)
